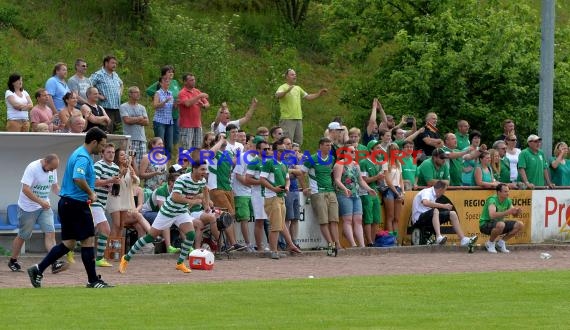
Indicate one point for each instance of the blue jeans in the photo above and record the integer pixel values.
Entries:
(166, 133)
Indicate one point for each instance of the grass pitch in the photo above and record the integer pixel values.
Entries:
(508, 300)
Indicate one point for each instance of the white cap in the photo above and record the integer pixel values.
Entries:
(334, 126)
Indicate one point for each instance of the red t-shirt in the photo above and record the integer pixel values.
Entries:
(190, 117)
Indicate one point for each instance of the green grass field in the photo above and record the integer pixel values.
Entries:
(508, 300)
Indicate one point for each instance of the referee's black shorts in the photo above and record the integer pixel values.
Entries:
(76, 219)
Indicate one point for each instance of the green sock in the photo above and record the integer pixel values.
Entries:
(101, 245)
(186, 247)
(138, 246)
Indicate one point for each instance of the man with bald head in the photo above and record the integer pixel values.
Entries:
(40, 177)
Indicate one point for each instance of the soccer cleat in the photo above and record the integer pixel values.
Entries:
(99, 284)
(35, 276)
(182, 267)
(102, 263)
(14, 265)
(59, 266)
(123, 265)
(172, 250)
(490, 246)
(70, 257)
(502, 246)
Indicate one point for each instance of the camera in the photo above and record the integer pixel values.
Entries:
(410, 121)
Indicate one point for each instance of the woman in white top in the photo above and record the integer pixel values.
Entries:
(512, 155)
(18, 104)
(394, 194)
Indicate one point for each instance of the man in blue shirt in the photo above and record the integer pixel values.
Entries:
(77, 192)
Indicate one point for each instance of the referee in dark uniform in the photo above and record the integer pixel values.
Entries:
(77, 189)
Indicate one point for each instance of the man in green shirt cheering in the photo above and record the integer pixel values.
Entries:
(492, 222)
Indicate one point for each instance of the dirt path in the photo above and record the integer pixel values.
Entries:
(402, 260)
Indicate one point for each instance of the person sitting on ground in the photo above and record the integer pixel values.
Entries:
(428, 212)
(492, 222)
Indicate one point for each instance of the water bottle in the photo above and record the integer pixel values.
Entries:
(308, 200)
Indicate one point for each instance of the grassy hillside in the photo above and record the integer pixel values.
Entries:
(259, 48)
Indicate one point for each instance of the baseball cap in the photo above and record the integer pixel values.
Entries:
(439, 153)
(372, 144)
(258, 139)
(334, 126)
(533, 137)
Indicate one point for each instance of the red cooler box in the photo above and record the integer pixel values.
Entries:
(201, 259)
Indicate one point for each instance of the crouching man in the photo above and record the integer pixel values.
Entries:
(492, 222)
(427, 211)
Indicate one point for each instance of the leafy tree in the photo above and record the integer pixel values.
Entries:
(467, 60)
(293, 11)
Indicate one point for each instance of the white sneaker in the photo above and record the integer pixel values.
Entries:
(441, 240)
(490, 246)
(502, 246)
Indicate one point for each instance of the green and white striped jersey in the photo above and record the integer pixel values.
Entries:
(104, 171)
(185, 186)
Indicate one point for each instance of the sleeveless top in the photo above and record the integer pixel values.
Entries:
(349, 178)
(157, 180)
(96, 111)
(125, 200)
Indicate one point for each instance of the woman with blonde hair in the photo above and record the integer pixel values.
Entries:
(513, 155)
(559, 166)
(394, 194)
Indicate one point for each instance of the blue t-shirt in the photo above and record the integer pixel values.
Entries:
(57, 89)
(79, 166)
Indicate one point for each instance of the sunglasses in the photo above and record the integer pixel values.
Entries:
(266, 149)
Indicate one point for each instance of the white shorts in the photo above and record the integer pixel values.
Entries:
(98, 215)
(162, 222)
(258, 203)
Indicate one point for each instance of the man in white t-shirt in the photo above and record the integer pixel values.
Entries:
(223, 118)
(427, 211)
(242, 193)
(40, 177)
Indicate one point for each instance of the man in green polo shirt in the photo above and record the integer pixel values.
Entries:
(532, 165)
(492, 222)
(323, 198)
(456, 157)
(462, 134)
(434, 169)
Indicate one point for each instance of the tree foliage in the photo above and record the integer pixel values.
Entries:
(461, 59)
(293, 12)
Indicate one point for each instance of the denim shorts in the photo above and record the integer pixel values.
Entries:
(389, 193)
(27, 220)
(349, 205)
(292, 206)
